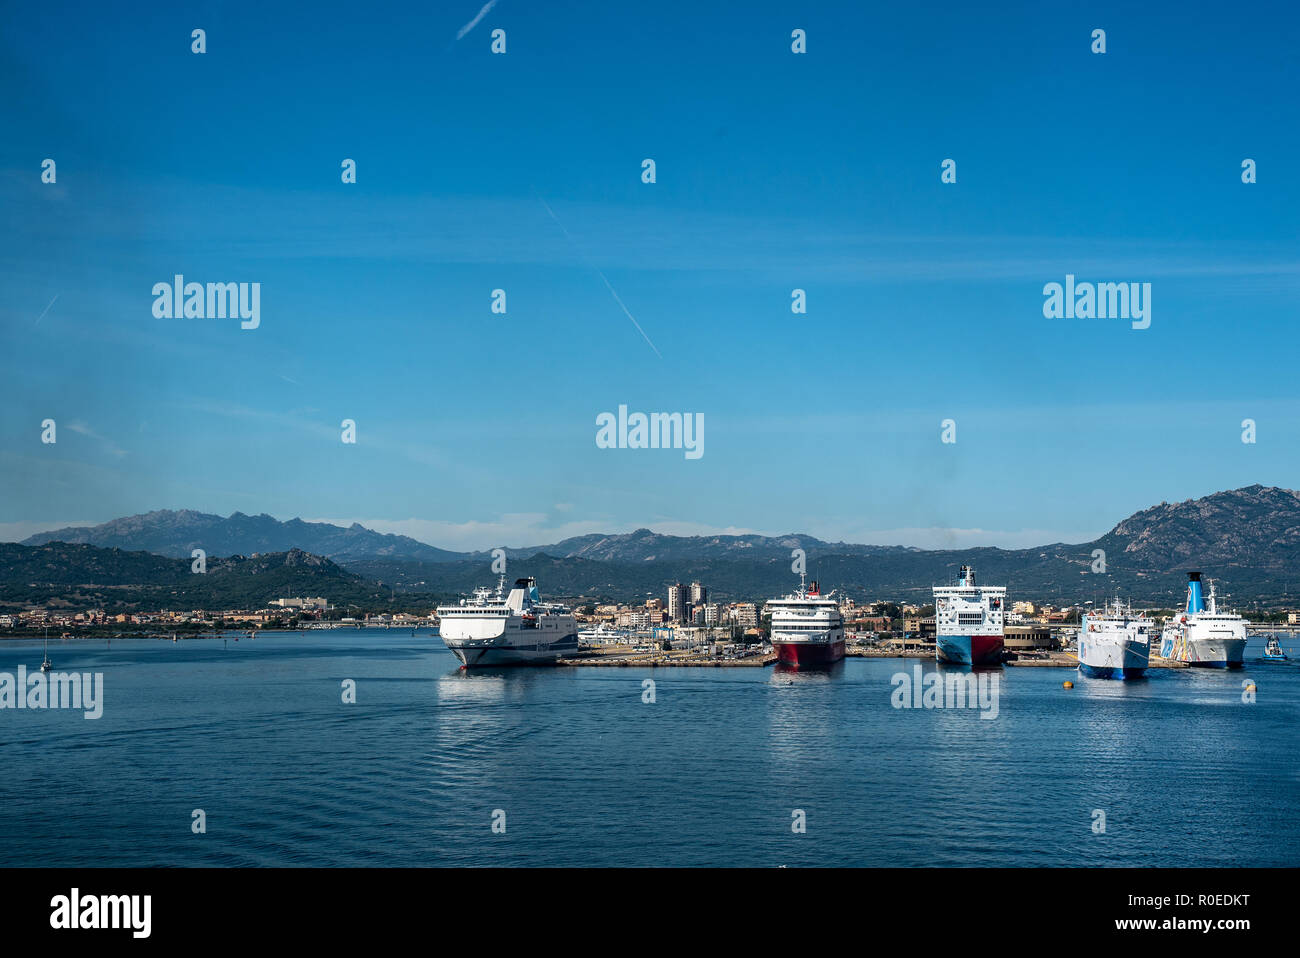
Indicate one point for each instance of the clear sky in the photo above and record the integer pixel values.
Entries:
(774, 171)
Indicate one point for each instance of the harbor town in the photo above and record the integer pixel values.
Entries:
(684, 627)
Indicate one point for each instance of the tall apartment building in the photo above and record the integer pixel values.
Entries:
(677, 603)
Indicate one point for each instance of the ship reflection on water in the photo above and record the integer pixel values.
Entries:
(802, 718)
(790, 674)
(460, 686)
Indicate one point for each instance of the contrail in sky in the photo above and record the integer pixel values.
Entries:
(473, 23)
(602, 277)
(45, 310)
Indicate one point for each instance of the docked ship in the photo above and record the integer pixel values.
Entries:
(1115, 643)
(807, 628)
(491, 628)
(604, 634)
(968, 621)
(1201, 634)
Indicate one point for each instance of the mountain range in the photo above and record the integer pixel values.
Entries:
(1249, 538)
(77, 576)
(176, 533)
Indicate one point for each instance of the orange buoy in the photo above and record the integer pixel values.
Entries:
(1067, 685)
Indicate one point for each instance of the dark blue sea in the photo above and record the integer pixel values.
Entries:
(255, 733)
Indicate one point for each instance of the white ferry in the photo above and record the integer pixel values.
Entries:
(968, 621)
(807, 628)
(490, 628)
(1115, 643)
(1204, 636)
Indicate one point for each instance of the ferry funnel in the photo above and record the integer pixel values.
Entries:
(1195, 601)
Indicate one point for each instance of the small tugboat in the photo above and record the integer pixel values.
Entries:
(1273, 650)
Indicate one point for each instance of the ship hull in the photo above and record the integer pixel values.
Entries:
(1112, 671)
(1114, 659)
(969, 649)
(480, 654)
(809, 655)
(1206, 653)
(1216, 664)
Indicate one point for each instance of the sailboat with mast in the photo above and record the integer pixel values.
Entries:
(46, 664)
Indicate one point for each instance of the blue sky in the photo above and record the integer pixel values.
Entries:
(775, 171)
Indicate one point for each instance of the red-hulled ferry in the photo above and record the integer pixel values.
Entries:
(807, 628)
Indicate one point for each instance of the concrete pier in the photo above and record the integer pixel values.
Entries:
(616, 656)
(1065, 660)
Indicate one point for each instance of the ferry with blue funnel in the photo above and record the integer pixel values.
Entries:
(1115, 644)
(1203, 636)
(968, 620)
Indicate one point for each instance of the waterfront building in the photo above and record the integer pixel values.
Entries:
(1029, 638)
(921, 627)
(745, 615)
(308, 603)
(871, 623)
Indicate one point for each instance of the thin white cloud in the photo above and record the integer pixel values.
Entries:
(302, 419)
(509, 229)
(473, 23)
(939, 537)
(82, 429)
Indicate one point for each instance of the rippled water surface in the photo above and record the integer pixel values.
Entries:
(255, 733)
